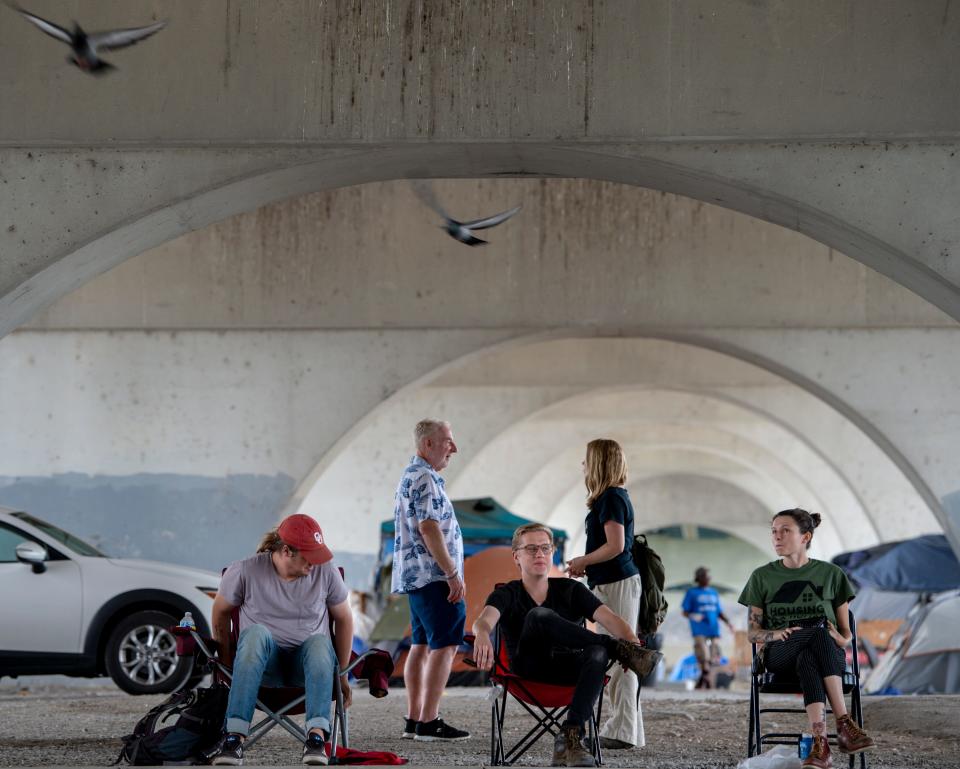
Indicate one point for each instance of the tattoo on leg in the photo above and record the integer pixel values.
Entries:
(819, 727)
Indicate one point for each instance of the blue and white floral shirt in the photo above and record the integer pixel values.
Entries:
(420, 496)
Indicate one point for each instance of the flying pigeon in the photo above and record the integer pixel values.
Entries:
(462, 231)
(86, 47)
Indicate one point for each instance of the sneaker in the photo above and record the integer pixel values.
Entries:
(437, 730)
(315, 750)
(229, 751)
(636, 658)
(409, 728)
(850, 737)
(569, 750)
(819, 757)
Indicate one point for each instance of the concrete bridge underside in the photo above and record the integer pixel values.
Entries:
(814, 126)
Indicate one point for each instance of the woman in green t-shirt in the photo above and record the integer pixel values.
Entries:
(799, 613)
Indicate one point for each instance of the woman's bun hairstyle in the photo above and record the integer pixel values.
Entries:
(816, 519)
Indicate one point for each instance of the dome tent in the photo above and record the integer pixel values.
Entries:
(924, 655)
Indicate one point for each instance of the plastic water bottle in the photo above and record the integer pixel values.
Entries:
(806, 745)
(188, 622)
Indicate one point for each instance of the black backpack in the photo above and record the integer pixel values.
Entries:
(653, 606)
(198, 727)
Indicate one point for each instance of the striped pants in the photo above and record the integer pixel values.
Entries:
(812, 655)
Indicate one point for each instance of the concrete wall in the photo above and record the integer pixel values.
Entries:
(278, 360)
(834, 120)
(581, 253)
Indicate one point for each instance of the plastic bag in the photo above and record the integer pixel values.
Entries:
(780, 757)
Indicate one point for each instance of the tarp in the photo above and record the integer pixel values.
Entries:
(873, 604)
(924, 564)
(925, 654)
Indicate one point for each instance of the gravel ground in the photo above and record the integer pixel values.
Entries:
(59, 725)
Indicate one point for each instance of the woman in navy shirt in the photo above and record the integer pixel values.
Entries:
(613, 576)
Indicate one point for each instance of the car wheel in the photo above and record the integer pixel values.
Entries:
(141, 654)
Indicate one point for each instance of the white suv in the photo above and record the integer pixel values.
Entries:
(67, 608)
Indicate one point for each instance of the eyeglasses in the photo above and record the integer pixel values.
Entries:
(534, 549)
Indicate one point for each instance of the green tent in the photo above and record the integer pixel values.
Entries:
(483, 522)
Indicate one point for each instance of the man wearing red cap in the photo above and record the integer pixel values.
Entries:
(287, 594)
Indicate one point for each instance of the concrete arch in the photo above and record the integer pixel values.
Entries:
(746, 517)
(639, 416)
(647, 462)
(568, 510)
(196, 188)
(430, 395)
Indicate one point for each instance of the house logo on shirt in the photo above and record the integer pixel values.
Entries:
(796, 600)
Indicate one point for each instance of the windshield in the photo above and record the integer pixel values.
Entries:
(77, 545)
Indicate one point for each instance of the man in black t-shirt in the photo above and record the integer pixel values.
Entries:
(540, 618)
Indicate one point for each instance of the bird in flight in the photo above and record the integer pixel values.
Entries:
(462, 231)
(86, 47)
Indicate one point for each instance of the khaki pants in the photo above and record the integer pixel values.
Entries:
(626, 717)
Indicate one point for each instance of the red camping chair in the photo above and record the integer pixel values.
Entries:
(279, 703)
(547, 703)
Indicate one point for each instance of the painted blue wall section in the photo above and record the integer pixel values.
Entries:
(192, 520)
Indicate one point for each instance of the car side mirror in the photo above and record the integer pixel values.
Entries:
(34, 554)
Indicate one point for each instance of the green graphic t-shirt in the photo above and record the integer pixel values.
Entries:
(788, 596)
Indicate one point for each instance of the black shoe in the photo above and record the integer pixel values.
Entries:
(315, 750)
(409, 728)
(229, 751)
(437, 730)
(612, 743)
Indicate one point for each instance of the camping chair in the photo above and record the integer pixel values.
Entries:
(547, 703)
(279, 703)
(765, 682)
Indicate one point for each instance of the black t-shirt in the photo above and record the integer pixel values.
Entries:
(612, 505)
(567, 597)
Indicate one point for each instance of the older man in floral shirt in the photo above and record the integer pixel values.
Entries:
(428, 567)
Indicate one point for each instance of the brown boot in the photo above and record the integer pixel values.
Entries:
(559, 750)
(819, 754)
(568, 748)
(850, 737)
(638, 659)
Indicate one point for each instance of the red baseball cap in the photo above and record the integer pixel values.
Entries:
(304, 533)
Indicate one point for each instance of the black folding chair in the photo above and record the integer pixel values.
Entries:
(764, 682)
(279, 703)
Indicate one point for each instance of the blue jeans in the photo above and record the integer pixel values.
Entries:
(260, 662)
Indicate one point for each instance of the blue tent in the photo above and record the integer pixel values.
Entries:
(924, 564)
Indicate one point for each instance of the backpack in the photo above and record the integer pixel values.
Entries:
(653, 606)
(198, 727)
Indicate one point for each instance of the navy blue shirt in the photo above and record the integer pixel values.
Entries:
(612, 505)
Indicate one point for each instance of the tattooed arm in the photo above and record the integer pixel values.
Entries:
(755, 632)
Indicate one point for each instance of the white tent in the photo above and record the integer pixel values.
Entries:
(924, 656)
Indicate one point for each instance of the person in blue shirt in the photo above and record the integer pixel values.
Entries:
(701, 605)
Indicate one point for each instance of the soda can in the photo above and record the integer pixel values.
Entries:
(806, 745)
